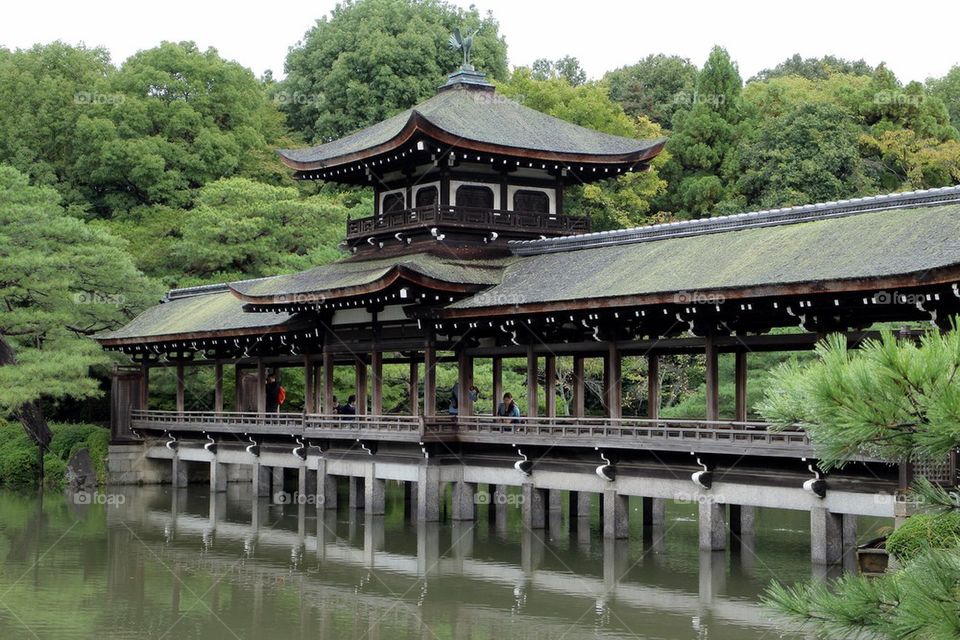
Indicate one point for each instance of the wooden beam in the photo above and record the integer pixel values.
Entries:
(550, 386)
(497, 370)
(218, 387)
(309, 386)
(328, 382)
(713, 380)
(653, 386)
(531, 382)
(429, 379)
(465, 382)
(180, 388)
(376, 370)
(741, 386)
(578, 407)
(612, 383)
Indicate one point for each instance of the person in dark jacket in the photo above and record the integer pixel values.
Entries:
(349, 409)
(273, 394)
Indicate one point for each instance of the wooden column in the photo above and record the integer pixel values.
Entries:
(238, 388)
(741, 386)
(144, 386)
(713, 380)
(327, 407)
(361, 387)
(180, 388)
(309, 386)
(653, 386)
(531, 382)
(218, 387)
(578, 404)
(429, 379)
(444, 187)
(261, 386)
(497, 369)
(414, 396)
(376, 370)
(612, 384)
(464, 382)
(550, 385)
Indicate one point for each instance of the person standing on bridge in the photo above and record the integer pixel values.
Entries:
(455, 397)
(349, 409)
(508, 408)
(273, 394)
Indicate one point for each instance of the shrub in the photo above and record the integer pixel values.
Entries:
(18, 455)
(925, 531)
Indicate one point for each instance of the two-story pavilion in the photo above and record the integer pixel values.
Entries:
(469, 254)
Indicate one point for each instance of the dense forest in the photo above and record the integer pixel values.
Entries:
(120, 179)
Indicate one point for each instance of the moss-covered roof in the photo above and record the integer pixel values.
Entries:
(351, 276)
(213, 312)
(472, 115)
(874, 244)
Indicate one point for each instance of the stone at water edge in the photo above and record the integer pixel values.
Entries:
(81, 476)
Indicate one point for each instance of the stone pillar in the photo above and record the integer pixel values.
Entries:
(428, 494)
(303, 489)
(357, 492)
(826, 536)
(261, 481)
(464, 501)
(533, 507)
(584, 505)
(615, 514)
(179, 472)
(742, 519)
(554, 511)
(850, 541)
(218, 476)
(654, 514)
(713, 527)
(326, 487)
(374, 492)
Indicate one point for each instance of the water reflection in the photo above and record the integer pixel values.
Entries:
(182, 563)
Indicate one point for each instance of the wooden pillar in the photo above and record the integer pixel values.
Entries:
(376, 370)
(713, 381)
(550, 385)
(327, 383)
(144, 386)
(653, 386)
(238, 388)
(361, 386)
(741, 386)
(309, 386)
(579, 388)
(218, 387)
(465, 382)
(180, 388)
(429, 379)
(497, 368)
(261, 386)
(414, 387)
(612, 373)
(444, 187)
(531, 382)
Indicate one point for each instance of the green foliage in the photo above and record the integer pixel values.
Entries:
(924, 531)
(947, 89)
(890, 399)
(372, 58)
(654, 87)
(814, 68)
(918, 601)
(18, 454)
(61, 280)
(566, 68)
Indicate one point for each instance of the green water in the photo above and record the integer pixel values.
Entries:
(180, 564)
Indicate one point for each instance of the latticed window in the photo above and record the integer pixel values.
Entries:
(475, 196)
(531, 201)
(427, 196)
(393, 202)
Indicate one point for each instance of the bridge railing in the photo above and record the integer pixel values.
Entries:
(217, 422)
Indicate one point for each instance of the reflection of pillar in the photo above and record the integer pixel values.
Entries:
(261, 480)
(356, 492)
(461, 544)
(326, 487)
(277, 480)
(301, 522)
(428, 493)
(531, 550)
(713, 574)
(712, 525)
(826, 536)
(373, 537)
(259, 512)
(616, 561)
(499, 498)
(179, 472)
(326, 532)
(464, 501)
(218, 508)
(533, 507)
(374, 492)
(615, 514)
(218, 476)
(428, 547)
(302, 488)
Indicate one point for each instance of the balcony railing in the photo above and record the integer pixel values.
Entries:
(467, 218)
(213, 422)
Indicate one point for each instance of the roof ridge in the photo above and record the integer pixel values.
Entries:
(198, 290)
(738, 221)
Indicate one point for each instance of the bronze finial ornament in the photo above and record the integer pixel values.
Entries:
(461, 42)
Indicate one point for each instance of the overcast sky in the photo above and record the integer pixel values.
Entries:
(916, 39)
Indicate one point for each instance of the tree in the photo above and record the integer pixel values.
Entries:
(372, 58)
(947, 89)
(814, 68)
(808, 154)
(61, 280)
(654, 87)
(566, 68)
(703, 164)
